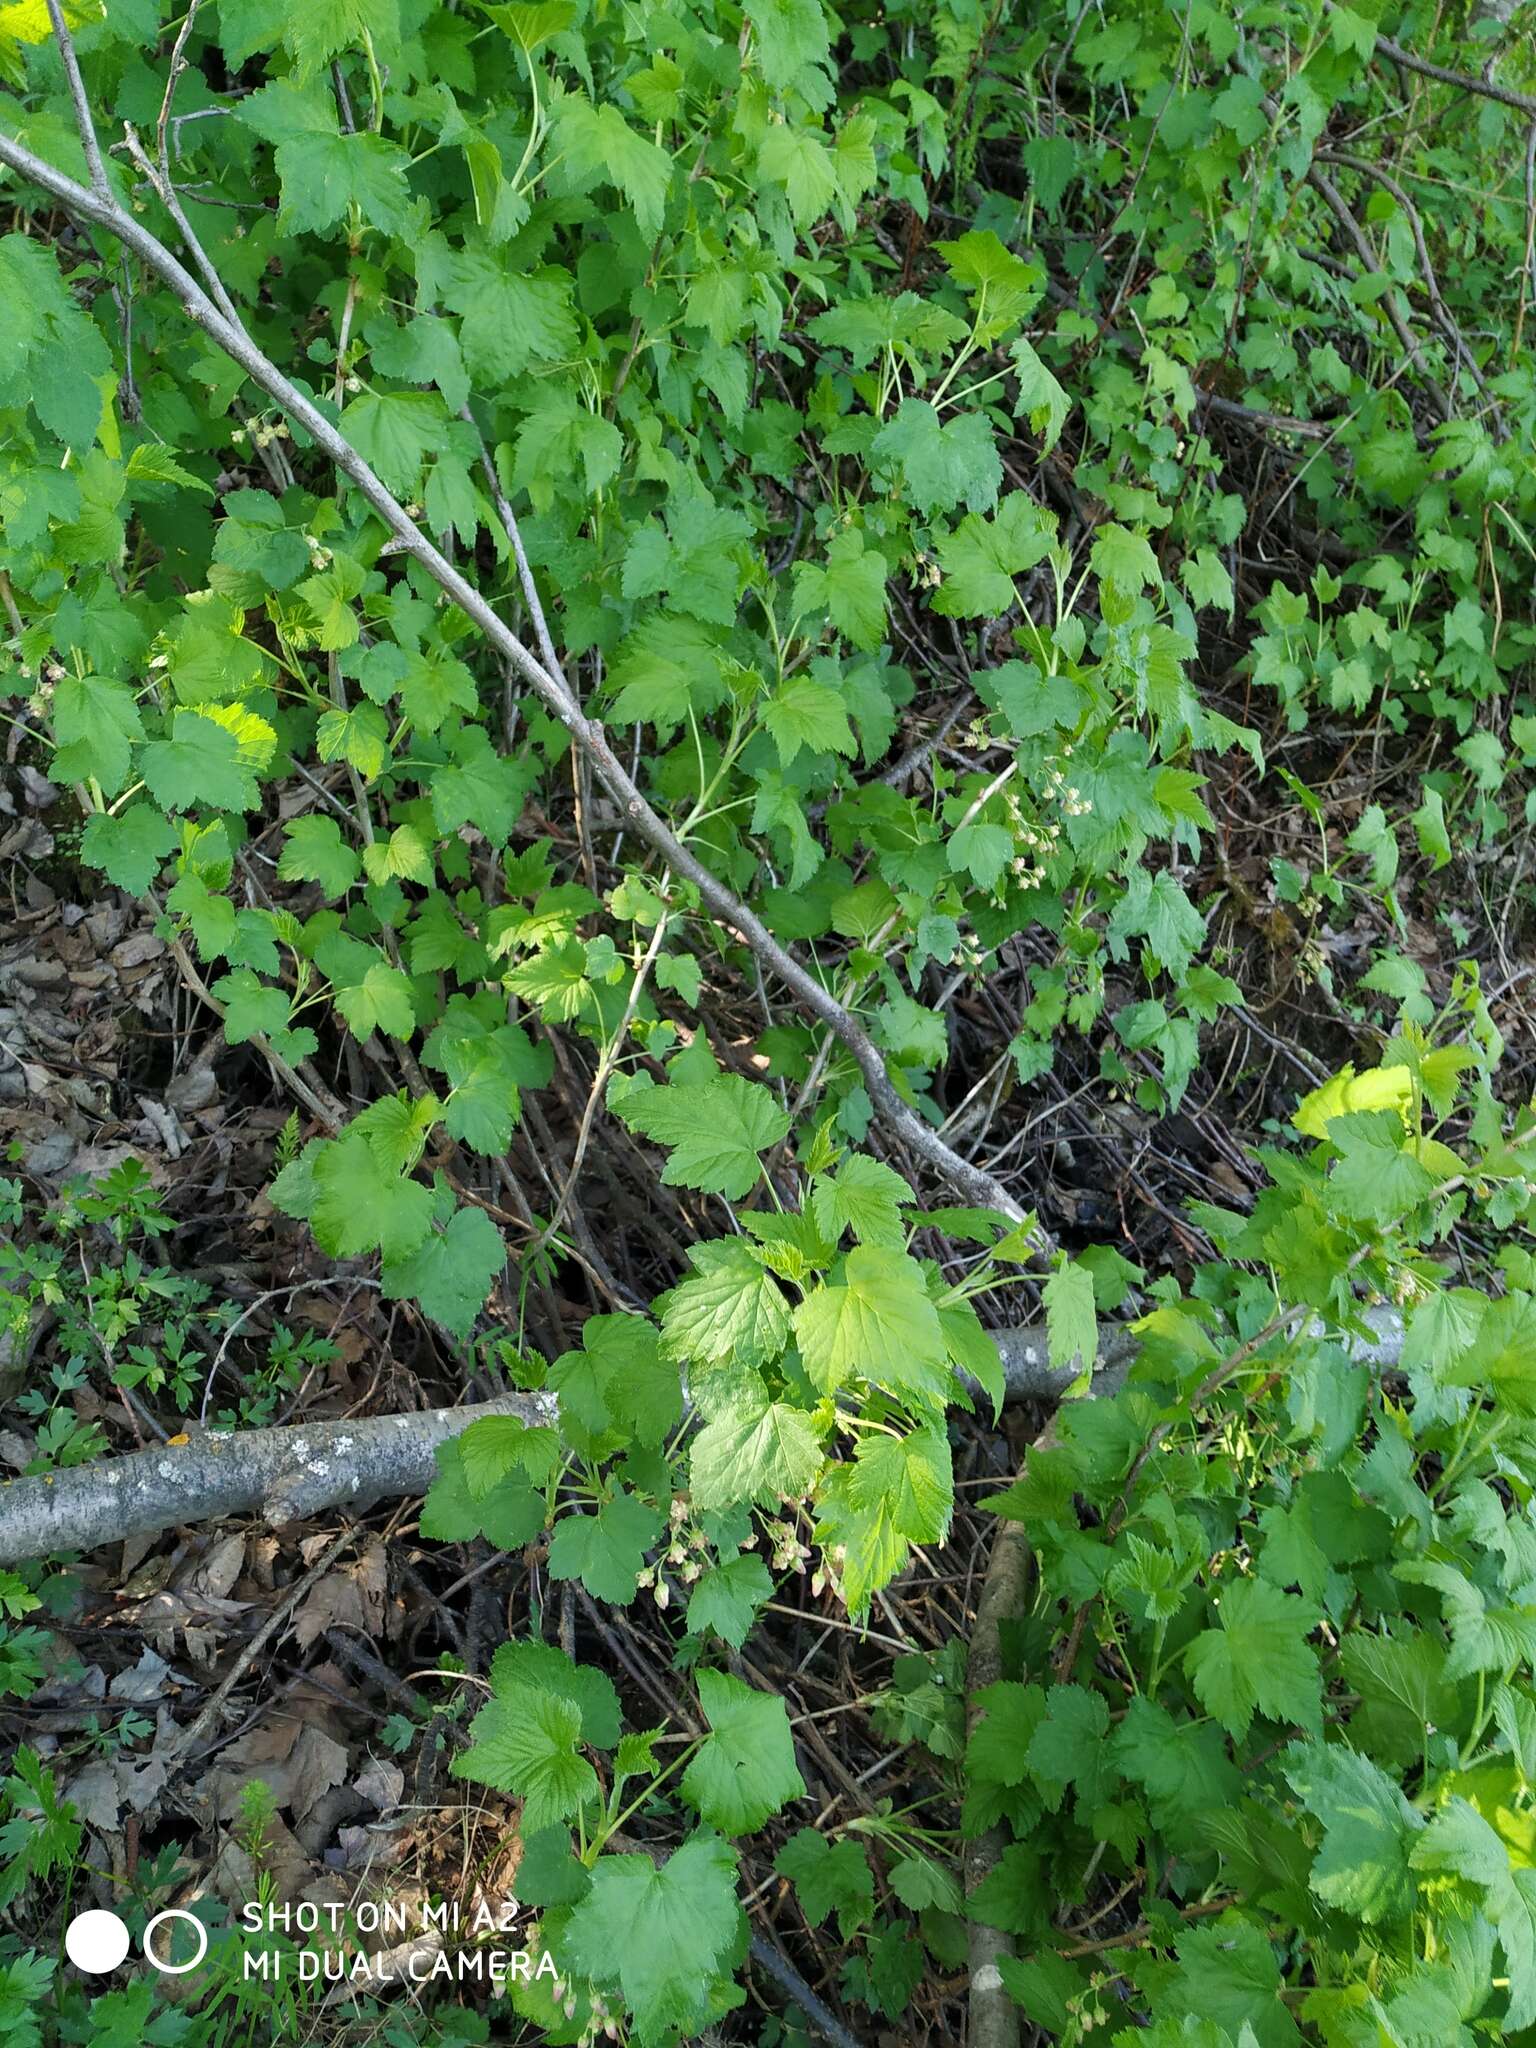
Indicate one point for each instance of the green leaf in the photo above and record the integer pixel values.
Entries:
(697, 562)
(498, 1445)
(866, 1196)
(808, 713)
(512, 316)
(324, 173)
(526, 1742)
(898, 1491)
(451, 1272)
(1071, 1326)
(1461, 1842)
(370, 994)
(908, 1478)
(1228, 1975)
(1431, 831)
(314, 851)
(850, 588)
(744, 1770)
(1369, 1829)
(532, 22)
(95, 723)
(252, 1006)
(920, 1882)
(714, 1130)
(829, 1877)
(508, 1515)
(128, 846)
(600, 146)
(996, 1750)
(756, 1450)
(315, 35)
(877, 1323)
(982, 556)
(1205, 577)
(1040, 399)
(487, 1065)
(1258, 1659)
(152, 463)
(730, 1307)
(945, 464)
(1002, 286)
(1376, 1178)
(658, 1931)
(361, 1206)
(790, 35)
(395, 432)
(203, 763)
(605, 1550)
(1068, 1747)
(543, 1667)
(803, 165)
(359, 736)
(1123, 559)
(727, 1597)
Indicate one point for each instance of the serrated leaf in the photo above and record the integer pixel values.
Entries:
(755, 1451)
(829, 1877)
(725, 1600)
(714, 1130)
(1258, 1659)
(605, 1550)
(527, 1742)
(729, 1307)
(360, 1206)
(876, 1323)
(314, 851)
(1071, 1324)
(451, 1271)
(866, 1196)
(128, 846)
(658, 1931)
(1364, 1865)
(744, 1770)
(95, 723)
(983, 555)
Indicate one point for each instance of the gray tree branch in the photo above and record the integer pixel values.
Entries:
(278, 1474)
(282, 1474)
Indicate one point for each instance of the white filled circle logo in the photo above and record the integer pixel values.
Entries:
(96, 1942)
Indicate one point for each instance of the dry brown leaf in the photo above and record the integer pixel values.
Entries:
(353, 1596)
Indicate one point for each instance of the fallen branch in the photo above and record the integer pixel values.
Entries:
(283, 1474)
(102, 208)
(1028, 1374)
(279, 1474)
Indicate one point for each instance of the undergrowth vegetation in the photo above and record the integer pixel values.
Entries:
(1018, 526)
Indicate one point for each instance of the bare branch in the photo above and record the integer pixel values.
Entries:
(1334, 201)
(1485, 88)
(93, 163)
(165, 184)
(1379, 176)
(280, 1474)
(993, 2017)
(531, 596)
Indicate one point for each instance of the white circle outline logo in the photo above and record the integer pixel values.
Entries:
(175, 1969)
